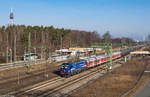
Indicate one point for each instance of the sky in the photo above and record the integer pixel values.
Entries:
(122, 18)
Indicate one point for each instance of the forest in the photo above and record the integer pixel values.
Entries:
(49, 38)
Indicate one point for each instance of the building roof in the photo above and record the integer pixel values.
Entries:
(140, 52)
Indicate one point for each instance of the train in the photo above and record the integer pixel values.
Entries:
(72, 68)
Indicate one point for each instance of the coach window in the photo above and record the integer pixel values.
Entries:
(90, 62)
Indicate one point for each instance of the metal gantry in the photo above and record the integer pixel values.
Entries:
(108, 49)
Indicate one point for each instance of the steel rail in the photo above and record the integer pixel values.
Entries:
(68, 84)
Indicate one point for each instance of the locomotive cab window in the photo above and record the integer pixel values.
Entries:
(65, 65)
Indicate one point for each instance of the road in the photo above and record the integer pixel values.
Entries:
(144, 92)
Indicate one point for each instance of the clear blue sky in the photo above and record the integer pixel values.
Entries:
(120, 17)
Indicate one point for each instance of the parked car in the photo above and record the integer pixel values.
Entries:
(32, 55)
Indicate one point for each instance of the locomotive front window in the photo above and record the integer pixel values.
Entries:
(65, 65)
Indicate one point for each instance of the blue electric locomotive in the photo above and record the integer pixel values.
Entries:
(68, 69)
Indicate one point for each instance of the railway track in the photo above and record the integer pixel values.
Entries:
(54, 86)
(56, 91)
(7, 66)
(37, 86)
(60, 82)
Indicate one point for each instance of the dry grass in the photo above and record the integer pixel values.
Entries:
(143, 81)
